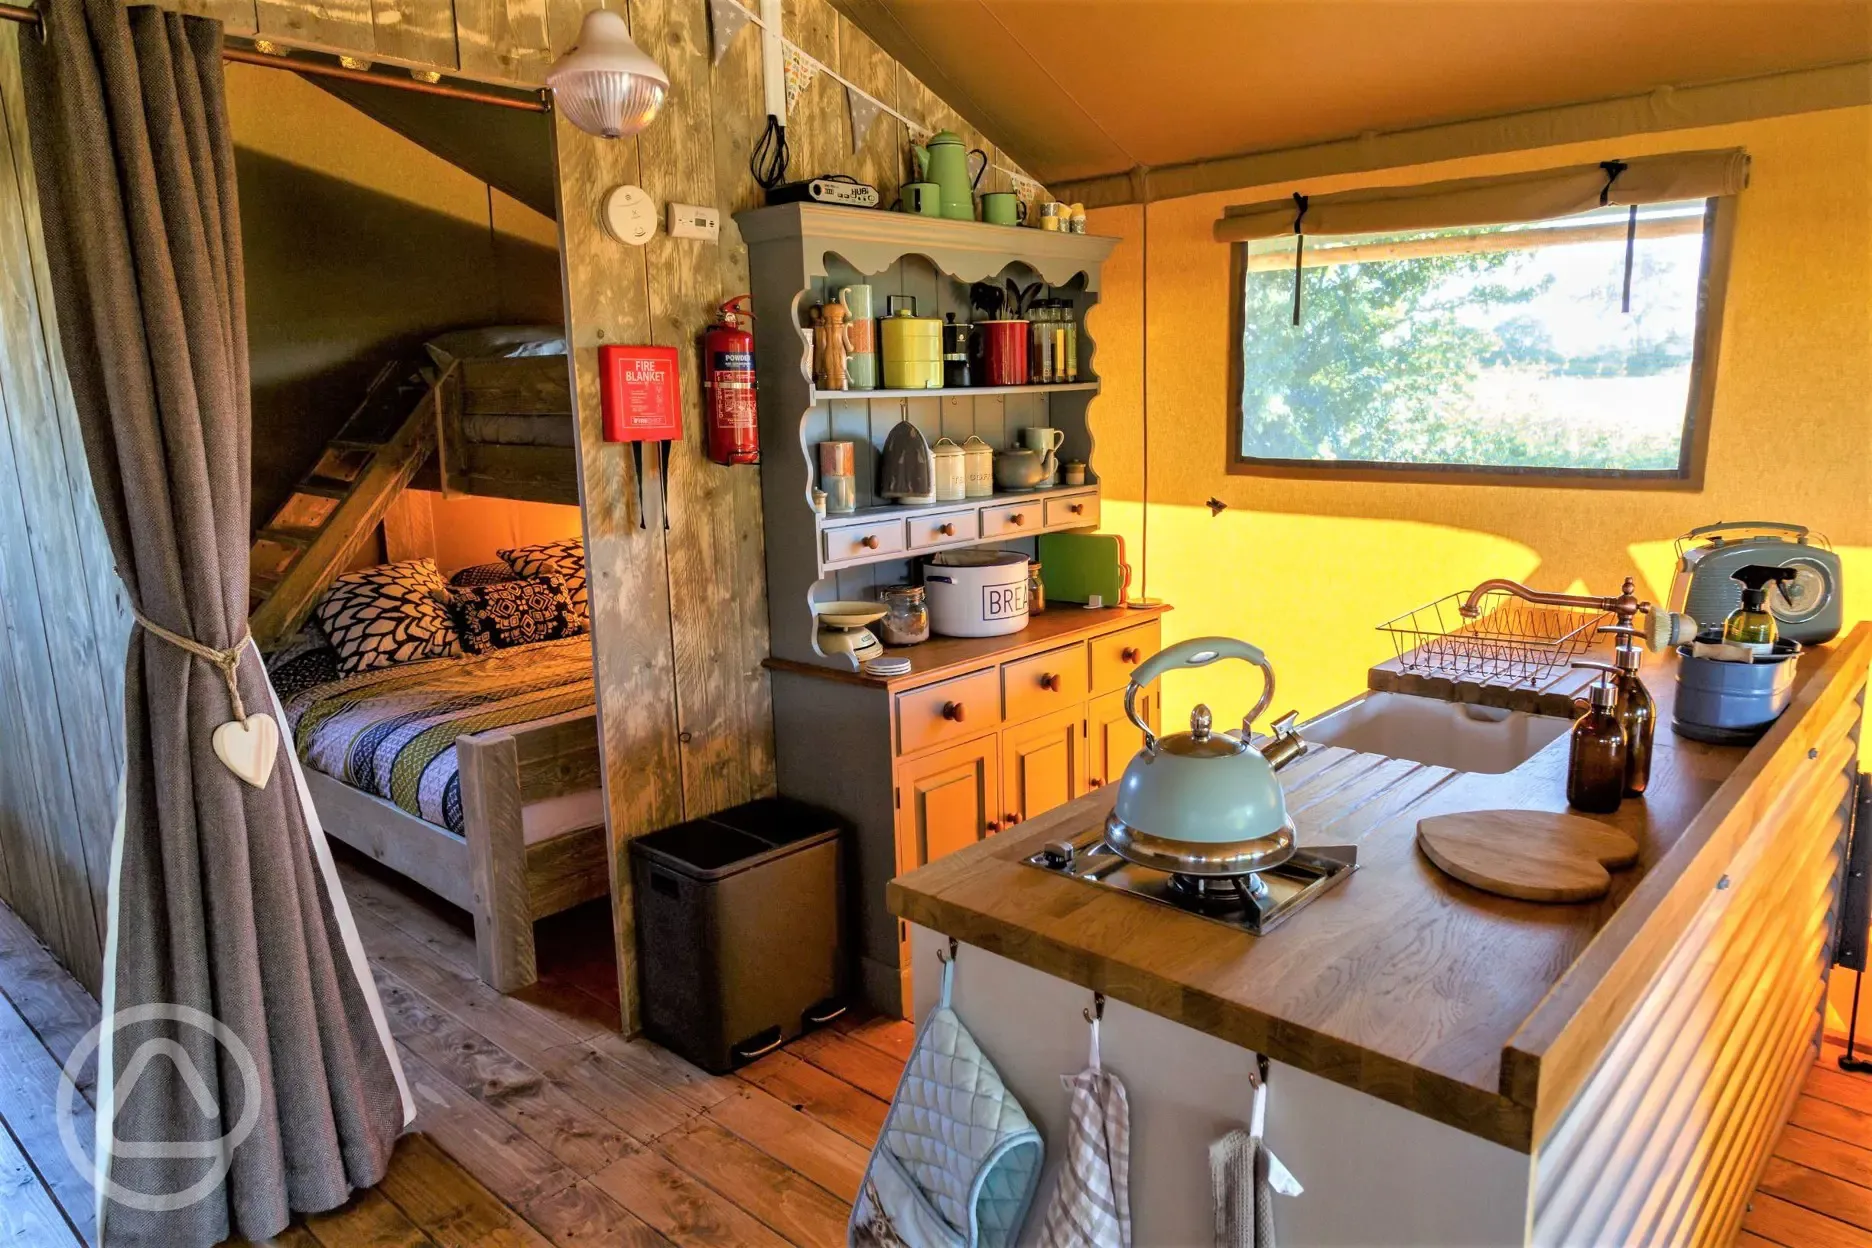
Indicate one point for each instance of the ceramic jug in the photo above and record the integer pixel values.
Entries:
(944, 160)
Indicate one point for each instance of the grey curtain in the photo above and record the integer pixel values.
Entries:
(221, 903)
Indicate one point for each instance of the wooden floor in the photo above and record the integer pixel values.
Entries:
(538, 1125)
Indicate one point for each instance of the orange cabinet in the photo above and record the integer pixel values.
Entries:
(1112, 738)
(1043, 764)
(946, 800)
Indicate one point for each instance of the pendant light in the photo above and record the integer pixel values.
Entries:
(606, 85)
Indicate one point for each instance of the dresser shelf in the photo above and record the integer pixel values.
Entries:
(942, 392)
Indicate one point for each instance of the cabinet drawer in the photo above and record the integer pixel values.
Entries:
(1043, 683)
(1078, 512)
(1013, 520)
(863, 541)
(1115, 654)
(949, 711)
(943, 528)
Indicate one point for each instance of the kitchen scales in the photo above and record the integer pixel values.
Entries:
(1256, 903)
(842, 629)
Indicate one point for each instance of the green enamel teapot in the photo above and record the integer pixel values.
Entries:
(944, 160)
(1202, 802)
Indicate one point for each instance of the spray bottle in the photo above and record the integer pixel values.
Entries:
(1751, 625)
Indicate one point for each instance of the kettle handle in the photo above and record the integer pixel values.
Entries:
(1196, 652)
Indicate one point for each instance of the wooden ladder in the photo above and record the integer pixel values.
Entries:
(335, 508)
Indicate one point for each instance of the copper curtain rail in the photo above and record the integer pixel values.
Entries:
(321, 69)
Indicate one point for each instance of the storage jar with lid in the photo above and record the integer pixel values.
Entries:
(906, 621)
(978, 471)
(951, 471)
(912, 347)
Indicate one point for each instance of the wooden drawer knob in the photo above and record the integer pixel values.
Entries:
(1077, 509)
(992, 827)
(947, 530)
(1130, 654)
(1051, 681)
(952, 711)
(1011, 818)
(1018, 518)
(868, 541)
(1095, 782)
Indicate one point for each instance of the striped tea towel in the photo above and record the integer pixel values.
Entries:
(1091, 1205)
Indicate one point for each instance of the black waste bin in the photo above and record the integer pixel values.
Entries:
(739, 929)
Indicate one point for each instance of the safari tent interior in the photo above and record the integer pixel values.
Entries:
(615, 622)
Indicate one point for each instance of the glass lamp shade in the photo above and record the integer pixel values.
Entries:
(607, 85)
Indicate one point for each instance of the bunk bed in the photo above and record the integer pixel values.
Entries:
(478, 776)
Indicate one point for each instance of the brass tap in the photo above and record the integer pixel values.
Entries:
(1625, 606)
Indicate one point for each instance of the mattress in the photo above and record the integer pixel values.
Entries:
(391, 732)
(545, 429)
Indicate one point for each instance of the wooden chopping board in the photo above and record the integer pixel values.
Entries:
(1535, 855)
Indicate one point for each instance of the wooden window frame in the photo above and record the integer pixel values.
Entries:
(1712, 290)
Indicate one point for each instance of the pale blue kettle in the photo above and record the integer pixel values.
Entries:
(944, 160)
(1202, 802)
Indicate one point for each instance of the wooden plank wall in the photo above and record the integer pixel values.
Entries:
(63, 624)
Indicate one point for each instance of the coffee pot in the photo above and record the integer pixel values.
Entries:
(944, 160)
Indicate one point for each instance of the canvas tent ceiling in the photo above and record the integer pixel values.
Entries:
(1074, 89)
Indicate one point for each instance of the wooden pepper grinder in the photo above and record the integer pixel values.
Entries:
(832, 336)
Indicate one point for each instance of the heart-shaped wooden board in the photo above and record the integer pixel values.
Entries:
(248, 747)
(1535, 855)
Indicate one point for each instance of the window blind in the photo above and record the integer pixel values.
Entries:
(1505, 200)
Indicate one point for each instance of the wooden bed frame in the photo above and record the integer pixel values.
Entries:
(533, 386)
(491, 872)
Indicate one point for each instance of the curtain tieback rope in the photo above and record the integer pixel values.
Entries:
(228, 661)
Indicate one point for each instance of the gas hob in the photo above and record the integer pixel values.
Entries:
(1255, 903)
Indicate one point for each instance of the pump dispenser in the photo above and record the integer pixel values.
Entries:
(1637, 709)
(1596, 762)
(1752, 625)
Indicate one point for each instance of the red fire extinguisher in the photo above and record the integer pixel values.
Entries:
(728, 383)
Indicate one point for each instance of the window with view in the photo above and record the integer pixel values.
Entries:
(1528, 349)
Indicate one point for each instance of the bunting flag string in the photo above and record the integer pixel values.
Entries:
(864, 114)
(800, 72)
(726, 20)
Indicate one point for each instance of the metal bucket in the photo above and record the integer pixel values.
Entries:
(1732, 703)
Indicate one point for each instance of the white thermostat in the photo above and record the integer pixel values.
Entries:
(628, 215)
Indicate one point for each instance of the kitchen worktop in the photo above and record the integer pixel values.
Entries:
(1477, 1011)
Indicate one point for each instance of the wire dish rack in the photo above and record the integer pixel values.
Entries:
(1510, 642)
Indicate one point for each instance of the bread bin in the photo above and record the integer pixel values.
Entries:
(976, 593)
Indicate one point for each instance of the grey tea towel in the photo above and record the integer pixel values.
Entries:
(1245, 1175)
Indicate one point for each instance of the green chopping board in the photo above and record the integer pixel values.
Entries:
(1074, 566)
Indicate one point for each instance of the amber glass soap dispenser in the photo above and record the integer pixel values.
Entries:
(1596, 765)
(1637, 710)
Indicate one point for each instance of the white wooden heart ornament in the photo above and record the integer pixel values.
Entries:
(248, 747)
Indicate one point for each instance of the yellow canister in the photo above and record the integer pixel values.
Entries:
(911, 346)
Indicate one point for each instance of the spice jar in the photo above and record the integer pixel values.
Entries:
(1036, 588)
(906, 618)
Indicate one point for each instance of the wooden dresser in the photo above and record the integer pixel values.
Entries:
(983, 734)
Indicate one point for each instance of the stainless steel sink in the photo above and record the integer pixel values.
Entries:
(1430, 730)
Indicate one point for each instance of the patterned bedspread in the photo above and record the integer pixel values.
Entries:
(391, 732)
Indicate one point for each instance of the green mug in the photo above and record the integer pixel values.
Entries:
(1003, 208)
(922, 198)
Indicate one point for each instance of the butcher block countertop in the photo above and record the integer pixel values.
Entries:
(1478, 1011)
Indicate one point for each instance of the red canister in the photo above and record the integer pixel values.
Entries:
(1003, 347)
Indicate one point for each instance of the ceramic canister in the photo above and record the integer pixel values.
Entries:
(951, 471)
(861, 366)
(978, 467)
(1003, 346)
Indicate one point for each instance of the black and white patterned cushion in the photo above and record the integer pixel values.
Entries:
(513, 613)
(307, 659)
(564, 559)
(483, 574)
(396, 613)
